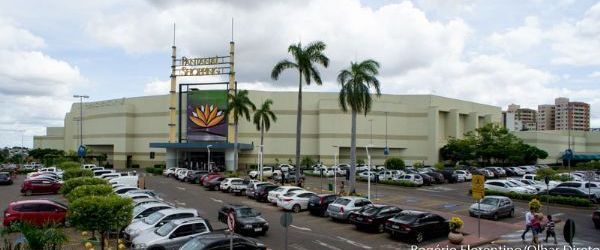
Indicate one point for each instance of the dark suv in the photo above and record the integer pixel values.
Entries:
(373, 217)
(5, 178)
(317, 205)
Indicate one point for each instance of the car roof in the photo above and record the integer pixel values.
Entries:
(177, 210)
(353, 197)
(188, 220)
(216, 236)
(497, 197)
(326, 195)
(155, 204)
(45, 201)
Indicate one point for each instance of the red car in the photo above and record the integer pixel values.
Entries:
(209, 177)
(36, 212)
(40, 186)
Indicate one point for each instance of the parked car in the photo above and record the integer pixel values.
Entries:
(167, 172)
(214, 183)
(181, 174)
(172, 235)
(341, 208)
(361, 168)
(37, 212)
(109, 176)
(498, 171)
(275, 193)
(267, 172)
(290, 176)
(488, 174)
(427, 179)
(412, 178)
(157, 219)
(317, 205)
(574, 192)
(130, 181)
(142, 211)
(438, 178)
(449, 175)
(417, 226)
(527, 186)
(506, 187)
(596, 218)
(493, 207)
(247, 220)
(252, 186)
(193, 176)
(464, 175)
(239, 188)
(40, 186)
(593, 187)
(327, 171)
(387, 175)
(365, 175)
(208, 177)
(373, 216)
(262, 192)
(5, 178)
(528, 169)
(140, 202)
(122, 190)
(221, 240)
(295, 201)
(227, 183)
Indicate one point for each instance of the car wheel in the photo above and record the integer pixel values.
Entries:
(296, 208)
(419, 236)
(380, 228)
(495, 216)
(28, 193)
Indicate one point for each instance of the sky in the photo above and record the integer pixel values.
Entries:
(526, 52)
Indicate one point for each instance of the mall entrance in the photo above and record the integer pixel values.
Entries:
(198, 160)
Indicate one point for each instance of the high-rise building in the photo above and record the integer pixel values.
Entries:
(516, 118)
(564, 115)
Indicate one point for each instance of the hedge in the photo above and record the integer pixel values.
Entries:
(154, 170)
(69, 165)
(398, 183)
(574, 201)
(89, 190)
(74, 173)
(71, 184)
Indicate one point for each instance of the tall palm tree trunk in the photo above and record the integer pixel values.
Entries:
(298, 125)
(235, 147)
(262, 146)
(353, 154)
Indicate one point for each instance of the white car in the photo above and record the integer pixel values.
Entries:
(182, 174)
(327, 171)
(528, 169)
(55, 170)
(295, 201)
(464, 175)
(285, 167)
(157, 219)
(506, 187)
(584, 186)
(268, 172)
(387, 175)
(518, 171)
(361, 167)
(130, 181)
(521, 184)
(412, 178)
(88, 166)
(365, 175)
(109, 176)
(228, 182)
(573, 177)
(168, 172)
(275, 193)
(341, 169)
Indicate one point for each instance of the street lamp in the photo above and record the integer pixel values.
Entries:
(371, 121)
(208, 162)
(368, 172)
(81, 97)
(336, 168)
(260, 162)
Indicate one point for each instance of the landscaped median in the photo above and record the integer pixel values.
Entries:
(572, 201)
(384, 182)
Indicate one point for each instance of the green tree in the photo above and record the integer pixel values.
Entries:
(262, 119)
(74, 173)
(394, 163)
(46, 237)
(305, 60)
(89, 190)
(69, 165)
(356, 82)
(239, 105)
(307, 161)
(71, 184)
(100, 213)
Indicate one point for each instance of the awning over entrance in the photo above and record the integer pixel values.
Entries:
(585, 156)
(200, 145)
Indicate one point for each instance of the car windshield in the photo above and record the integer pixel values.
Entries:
(193, 245)
(370, 210)
(406, 217)
(246, 212)
(153, 218)
(278, 190)
(510, 184)
(3, 174)
(342, 201)
(165, 229)
(490, 201)
(236, 181)
(138, 210)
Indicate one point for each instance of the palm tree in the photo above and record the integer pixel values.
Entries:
(262, 120)
(356, 83)
(304, 62)
(239, 105)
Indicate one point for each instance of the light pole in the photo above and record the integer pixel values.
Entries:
(336, 169)
(81, 97)
(368, 172)
(208, 161)
(260, 162)
(371, 121)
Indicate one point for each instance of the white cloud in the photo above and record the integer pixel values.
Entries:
(519, 39)
(578, 43)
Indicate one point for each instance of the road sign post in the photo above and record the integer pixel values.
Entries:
(478, 192)
(231, 226)
(547, 181)
(569, 231)
(286, 220)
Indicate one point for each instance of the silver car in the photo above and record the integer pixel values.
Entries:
(172, 235)
(493, 207)
(142, 211)
(341, 208)
(157, 219)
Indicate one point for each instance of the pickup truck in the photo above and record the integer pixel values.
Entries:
(268, 172)
(239, 188)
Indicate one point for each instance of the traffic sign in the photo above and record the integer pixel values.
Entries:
(568, 155)
(286, 219)
(477, 187)
(231, 221)
(81, 151)
(386, 151)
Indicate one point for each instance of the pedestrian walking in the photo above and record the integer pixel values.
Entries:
(536, 227)
(550, 229)
(528, 218)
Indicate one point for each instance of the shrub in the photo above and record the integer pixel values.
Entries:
(39, 238)
(89, 190)
(573, 201)
(439, 166)
(232, 174)
(418, 165)
(74, 173)
(161, 166)
(71, 184)
(398, 183)
(69, 165)
(394, 163)
(455, 224)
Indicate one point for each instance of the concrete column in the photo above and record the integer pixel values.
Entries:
(229, 155)
(171, 158)
(433, 118)
(453, 122)
(472, 122)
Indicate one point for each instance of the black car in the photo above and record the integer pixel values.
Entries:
(373, 216)
(317, 205)
(417, 225)
(573, 192)
(509, 171)
(247, 220)
(221, 240)
(193, 176)
(427, 179)
(438, 178)
(449, 175)
(261, 192)
(214, 184)
(5, 178)
(596, 218)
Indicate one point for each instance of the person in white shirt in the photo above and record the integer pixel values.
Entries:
(528, 217)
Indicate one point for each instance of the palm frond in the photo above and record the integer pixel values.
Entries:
(280, 67)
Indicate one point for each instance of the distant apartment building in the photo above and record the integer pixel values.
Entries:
(564, 115)
(516, 118)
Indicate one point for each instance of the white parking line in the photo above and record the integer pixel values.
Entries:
(351, 242)
(215, 200)
(179, 203)
(326, 245)
(181, 188)
(301, 228)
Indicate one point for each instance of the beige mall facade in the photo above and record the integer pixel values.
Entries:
(417, 127)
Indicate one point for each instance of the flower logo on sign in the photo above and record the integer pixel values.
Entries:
(207, 116)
